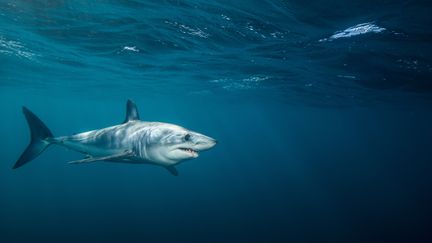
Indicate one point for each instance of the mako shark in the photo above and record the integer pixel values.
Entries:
(133, 141)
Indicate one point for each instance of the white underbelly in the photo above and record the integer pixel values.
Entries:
(96, 151)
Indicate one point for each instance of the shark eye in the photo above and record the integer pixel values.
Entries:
(187, 137)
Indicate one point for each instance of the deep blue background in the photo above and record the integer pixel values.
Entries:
(321, 139)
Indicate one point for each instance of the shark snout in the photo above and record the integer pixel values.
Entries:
(203, 142)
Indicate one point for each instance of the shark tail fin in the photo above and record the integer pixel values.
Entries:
(40, 138)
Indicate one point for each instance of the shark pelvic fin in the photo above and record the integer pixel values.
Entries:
(131, 112)
(90, 159)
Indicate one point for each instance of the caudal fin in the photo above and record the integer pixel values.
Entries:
(38, 142)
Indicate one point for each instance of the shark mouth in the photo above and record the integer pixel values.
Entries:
(189, 150)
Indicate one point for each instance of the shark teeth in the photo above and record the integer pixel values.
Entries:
(188, 150)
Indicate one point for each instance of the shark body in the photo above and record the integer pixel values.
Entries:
(133, 141)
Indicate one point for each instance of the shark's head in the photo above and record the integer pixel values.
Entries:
(170, 144)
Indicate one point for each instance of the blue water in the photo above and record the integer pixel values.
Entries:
(322, 110)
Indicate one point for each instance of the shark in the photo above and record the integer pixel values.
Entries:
(133, 141)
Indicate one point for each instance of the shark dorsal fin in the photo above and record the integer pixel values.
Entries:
(131, 112)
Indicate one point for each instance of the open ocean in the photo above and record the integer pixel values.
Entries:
(322, 111)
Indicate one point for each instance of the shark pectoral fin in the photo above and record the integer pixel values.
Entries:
(89, 159)
(86, 160)
(172, 170)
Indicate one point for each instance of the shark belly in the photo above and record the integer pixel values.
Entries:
(94, 150)
(98, 143)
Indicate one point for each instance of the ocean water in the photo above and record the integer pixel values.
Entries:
(321, 109)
